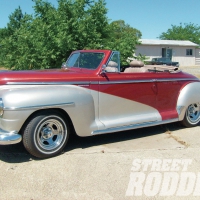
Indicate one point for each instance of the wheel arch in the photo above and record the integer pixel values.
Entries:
(55, 110)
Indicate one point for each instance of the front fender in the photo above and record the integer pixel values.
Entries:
(188, 95)
(21, 102)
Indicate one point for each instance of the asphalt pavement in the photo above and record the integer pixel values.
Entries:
(160, 162)
(102, 167)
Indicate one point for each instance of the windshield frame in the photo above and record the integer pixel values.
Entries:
(79, 55)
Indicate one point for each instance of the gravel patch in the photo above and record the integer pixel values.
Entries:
(195, 70)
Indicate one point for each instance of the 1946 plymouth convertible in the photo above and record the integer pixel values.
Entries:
(91, 94)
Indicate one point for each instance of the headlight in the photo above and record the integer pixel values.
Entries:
(1, 106)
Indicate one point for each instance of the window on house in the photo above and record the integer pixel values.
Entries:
(189, 52)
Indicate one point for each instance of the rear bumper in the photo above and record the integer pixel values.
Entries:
(11, 137)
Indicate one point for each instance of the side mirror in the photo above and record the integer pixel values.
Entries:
(64, 65)
(103, 71)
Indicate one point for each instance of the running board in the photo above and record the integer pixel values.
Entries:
(133, 126)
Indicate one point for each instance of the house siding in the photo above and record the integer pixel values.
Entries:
(178, 53)
(197, 60)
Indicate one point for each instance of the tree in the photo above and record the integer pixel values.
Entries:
(119, 27)
(184, 31)
(46, 39)
(15, 22)
(124, 39)
(9, 38)
(13, 43)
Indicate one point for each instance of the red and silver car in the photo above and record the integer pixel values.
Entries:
(92, 94)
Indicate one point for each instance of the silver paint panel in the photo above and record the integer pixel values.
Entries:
(132, 126)
(40, 106)
(95, 96)
(22, 101)
(188, 95)
(116, 111)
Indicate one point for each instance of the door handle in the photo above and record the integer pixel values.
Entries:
(154, 88)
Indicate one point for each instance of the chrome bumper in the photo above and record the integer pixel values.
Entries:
(11, 137)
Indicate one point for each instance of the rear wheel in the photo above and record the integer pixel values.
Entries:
(46, 134)
(192, 115)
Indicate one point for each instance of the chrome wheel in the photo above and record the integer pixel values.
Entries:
(46, 134)
(50, 134)
(193, 114)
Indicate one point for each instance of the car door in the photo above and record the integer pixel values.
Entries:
(127, 99)
(168, 88)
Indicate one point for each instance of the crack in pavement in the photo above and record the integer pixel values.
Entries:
(177, 139)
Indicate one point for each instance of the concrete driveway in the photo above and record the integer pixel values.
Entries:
(104, 167)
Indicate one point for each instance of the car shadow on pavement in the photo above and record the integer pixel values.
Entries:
(76, 142)
(17, 154)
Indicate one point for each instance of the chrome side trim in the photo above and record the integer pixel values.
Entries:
(101, 82)
(94, 82)
(11, 137)
(129, 81)
(176, 79)
(48, 83)
(83, 85)
(146, 81)
(40, 106)
(86, 83)
(133, 126)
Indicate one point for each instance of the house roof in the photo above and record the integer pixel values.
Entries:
(168, 42)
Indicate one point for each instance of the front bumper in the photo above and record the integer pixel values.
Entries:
(11, 137)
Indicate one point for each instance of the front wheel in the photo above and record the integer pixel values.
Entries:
(46, 134)
(192, 115)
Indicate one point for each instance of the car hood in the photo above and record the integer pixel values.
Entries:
(50, 75)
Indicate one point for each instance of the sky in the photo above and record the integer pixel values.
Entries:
(151, 17)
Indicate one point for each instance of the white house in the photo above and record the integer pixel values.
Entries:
(184, 52)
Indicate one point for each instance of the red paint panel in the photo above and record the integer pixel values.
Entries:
(140, 92)
(166, 98)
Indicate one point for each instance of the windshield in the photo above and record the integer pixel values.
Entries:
(88, 60)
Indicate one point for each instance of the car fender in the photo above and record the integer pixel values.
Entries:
(21, 101)
(188, 95)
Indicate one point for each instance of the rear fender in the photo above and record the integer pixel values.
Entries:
(188, 95)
